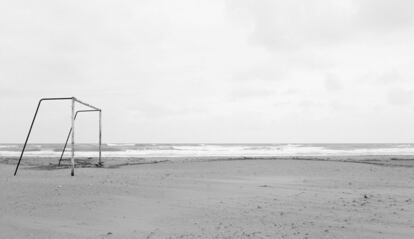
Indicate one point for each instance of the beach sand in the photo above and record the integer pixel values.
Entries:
(214, 199)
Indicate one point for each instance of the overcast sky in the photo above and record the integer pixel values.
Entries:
(210, 71)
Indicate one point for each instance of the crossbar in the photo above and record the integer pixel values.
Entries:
(72, 131)
(85, 104)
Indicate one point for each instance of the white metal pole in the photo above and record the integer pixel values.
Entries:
(100, 137)
(73, 138)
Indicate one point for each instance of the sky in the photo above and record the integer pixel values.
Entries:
(207, 71)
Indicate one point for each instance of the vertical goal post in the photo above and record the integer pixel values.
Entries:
(71, 132)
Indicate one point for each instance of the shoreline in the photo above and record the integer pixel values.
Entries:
(116, 162)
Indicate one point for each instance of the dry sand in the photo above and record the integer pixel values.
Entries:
(216, 199)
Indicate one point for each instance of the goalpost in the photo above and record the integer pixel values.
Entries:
(71, 131)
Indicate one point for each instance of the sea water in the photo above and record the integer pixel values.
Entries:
(211, 150)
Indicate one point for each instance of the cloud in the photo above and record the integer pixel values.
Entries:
(332, 83)
(390, 77)
(399, 97)
(290, 24)
(384, 15)
(246, 94)
(166, 65)
(293, 25)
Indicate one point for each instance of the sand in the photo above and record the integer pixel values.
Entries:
(215, 199)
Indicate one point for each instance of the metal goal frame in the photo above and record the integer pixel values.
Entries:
(71, 132)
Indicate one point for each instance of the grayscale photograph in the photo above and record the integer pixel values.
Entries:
(207, 119)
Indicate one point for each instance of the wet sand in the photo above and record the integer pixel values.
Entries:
(214, 199)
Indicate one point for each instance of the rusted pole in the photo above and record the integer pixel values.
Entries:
(27, 137)
(73, 138)
(100, 138)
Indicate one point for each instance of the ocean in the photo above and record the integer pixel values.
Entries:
(211, 150)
